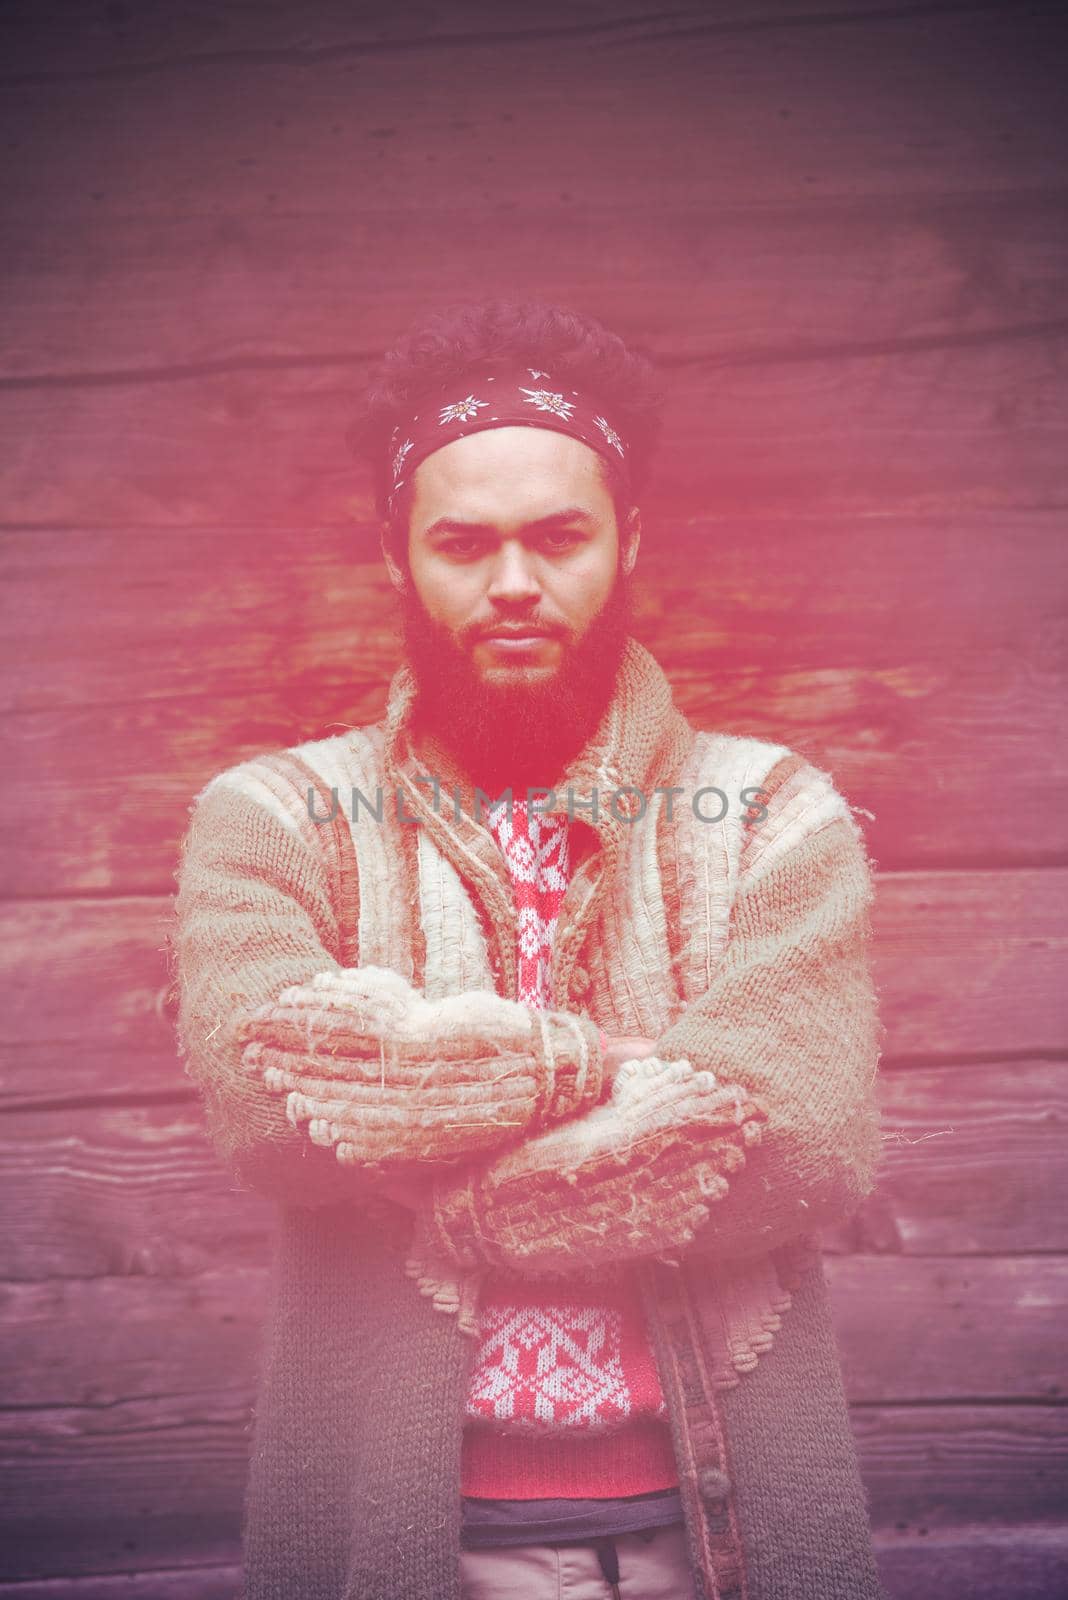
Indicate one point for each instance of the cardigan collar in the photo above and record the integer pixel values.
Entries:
(641, 740)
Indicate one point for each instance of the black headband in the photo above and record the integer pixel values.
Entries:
(526, 397)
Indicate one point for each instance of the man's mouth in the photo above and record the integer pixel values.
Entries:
(517, 640)
(525, 647)
(522, 631)
(517, 637)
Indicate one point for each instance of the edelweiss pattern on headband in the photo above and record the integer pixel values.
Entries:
(498, 400)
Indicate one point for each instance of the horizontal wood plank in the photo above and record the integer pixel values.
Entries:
(181, 1583)
(853, 546)
(927, 687)
(951, 975)
(976, 427)
(912, 1329)
(1026, 1562)
(908, 103)
(198, 33)
(98, 298)
(87, 1493)
(951, 1328)
(967, 964)
(184, 1346)
(974, 1164)
(121, 1191)
(930, 1468)
(124, 1488)
(974, 1161)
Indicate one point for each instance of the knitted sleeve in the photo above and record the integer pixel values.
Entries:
(790, 1023)
(252, 914)
(253, 917)
(792, 1014)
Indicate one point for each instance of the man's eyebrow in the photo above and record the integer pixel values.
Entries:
(457, 525)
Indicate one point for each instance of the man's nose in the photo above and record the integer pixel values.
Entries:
(514, 577)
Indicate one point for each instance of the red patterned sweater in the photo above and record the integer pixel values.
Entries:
(564, 1398)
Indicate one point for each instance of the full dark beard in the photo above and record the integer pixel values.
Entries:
(519, 734)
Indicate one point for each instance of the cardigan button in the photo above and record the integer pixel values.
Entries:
(714, 1484)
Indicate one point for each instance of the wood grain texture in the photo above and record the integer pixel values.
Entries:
(909, 103)
(118, 45)
(841, 231)
(950, 1328)
(905, 432)
(991, 1323)
(91, 298)
(967, 966)
(145, 1445)
(935, 758)
(192, 1582)
(1026, 1562)
(1029, 1562)
(974, 1164)
(974, 1161)
(931, 687)
(930, 1468)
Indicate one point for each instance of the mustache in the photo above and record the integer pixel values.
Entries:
(424, 635)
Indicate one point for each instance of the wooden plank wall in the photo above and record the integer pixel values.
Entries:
(842, 229)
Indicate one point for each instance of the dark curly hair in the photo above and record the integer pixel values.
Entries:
(493, 333)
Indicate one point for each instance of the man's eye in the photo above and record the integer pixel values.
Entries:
(462, 547)
(559, 538)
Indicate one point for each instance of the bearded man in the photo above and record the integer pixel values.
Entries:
(547, 1022)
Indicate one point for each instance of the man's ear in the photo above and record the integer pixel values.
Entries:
(632, 534)
(398, 577)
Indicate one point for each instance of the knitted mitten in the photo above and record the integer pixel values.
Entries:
(387, 1077)
(634, 1177)
(452, 1289)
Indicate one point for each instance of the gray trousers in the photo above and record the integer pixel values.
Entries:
(650, 1566)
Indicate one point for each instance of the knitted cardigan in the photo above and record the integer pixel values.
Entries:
(738, 944)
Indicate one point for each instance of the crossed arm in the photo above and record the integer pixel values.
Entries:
(320, 1081)
(789, 1027)
(753, 1121)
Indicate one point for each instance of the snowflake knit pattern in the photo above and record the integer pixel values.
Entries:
(569, 1385)
(535, 849)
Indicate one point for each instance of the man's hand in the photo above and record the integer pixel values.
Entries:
(386, 1077)
(637, 1176)
(618, 1048)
